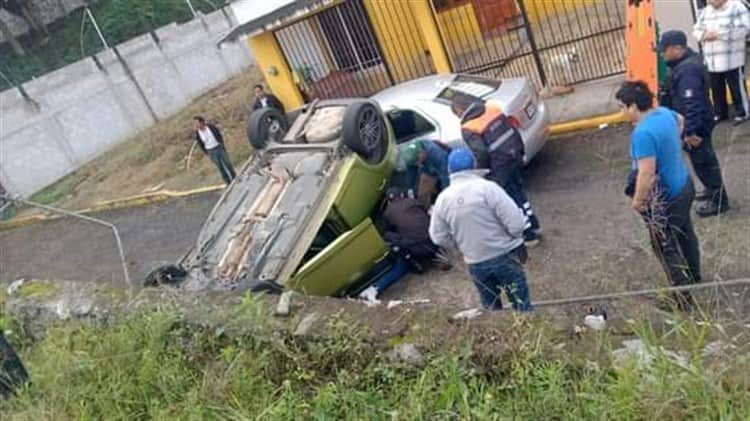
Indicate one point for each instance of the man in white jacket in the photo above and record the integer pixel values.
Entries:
(487, 226)
(722, 29)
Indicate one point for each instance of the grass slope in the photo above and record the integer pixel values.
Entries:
(151, 366)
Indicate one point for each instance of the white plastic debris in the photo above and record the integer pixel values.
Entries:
(395, 303)
(370, 296)
(595, 322)
(467, 314)
(603, 126)
(15, 286)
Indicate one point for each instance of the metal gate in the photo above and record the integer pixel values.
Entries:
(550, 42)
(355, 48)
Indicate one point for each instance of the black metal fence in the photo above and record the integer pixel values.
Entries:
(550, 42)
(339, 53)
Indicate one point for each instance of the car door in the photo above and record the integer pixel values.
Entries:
(344, 262)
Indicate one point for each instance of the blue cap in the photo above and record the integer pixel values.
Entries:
(671, 38)
(460, 159)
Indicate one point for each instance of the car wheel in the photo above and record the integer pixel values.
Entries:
(266, 287)
(266, 125)
(165, 275)
(364, 131)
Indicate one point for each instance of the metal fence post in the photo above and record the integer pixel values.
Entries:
(532, 43)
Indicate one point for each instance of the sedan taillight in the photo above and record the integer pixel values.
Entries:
(514, 122)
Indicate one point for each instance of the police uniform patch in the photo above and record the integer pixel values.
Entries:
(688, 93)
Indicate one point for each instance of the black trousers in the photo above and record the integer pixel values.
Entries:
(220, 158)
(735, 79)
(706, 165)
(674, 241)
(508, 175)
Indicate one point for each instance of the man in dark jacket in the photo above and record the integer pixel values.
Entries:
(209, 139)
(686, 91)
(497, 145)
(407, 227)
(265, 100)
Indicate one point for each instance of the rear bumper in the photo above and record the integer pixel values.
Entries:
(536, 135)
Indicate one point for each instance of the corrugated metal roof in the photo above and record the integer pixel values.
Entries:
(277, 18)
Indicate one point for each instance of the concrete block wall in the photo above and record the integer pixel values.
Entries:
(86, 108)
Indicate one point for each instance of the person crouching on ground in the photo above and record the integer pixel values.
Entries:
(497, 145)
(209, 139)
(660, 185)
(407, 228)
(426, 157)
(480, 218)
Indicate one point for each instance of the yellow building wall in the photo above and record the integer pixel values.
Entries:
(270, 59)
(400, 38)
(460, 27)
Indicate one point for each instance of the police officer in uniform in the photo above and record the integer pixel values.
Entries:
(497, 145)
(686, 91)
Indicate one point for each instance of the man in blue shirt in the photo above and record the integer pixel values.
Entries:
(663, 191)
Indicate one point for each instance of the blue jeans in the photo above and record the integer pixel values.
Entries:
(502, 272)
(220, 158)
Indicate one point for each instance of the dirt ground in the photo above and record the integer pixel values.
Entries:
(593, 242)
(157, 158)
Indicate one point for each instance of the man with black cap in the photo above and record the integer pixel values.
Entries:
(686, 91)
(498, 146)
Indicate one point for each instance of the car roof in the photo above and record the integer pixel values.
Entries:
(413, 91)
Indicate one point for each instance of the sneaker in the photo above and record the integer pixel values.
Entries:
(719, 119)
(531, 238)
(707, 209)
(739, 120)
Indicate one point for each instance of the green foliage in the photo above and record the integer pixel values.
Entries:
(152, 366)
(73, 37)
(55, 192)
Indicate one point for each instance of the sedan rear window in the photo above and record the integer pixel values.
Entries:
(475, 86)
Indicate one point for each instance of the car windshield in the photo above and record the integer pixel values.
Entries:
(475, 86)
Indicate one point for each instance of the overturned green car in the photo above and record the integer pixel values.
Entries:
(298, 214)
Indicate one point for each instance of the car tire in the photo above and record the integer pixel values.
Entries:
(165, 275)
(267, 287)
(364, 131)
(264, 125)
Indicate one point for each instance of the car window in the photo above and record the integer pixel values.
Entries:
(408, 125)
(475, 86)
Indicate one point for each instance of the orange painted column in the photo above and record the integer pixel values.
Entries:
(640, 37)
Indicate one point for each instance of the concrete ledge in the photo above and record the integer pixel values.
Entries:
(585, 124)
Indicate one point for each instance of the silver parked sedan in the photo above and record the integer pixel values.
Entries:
(421, 108)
